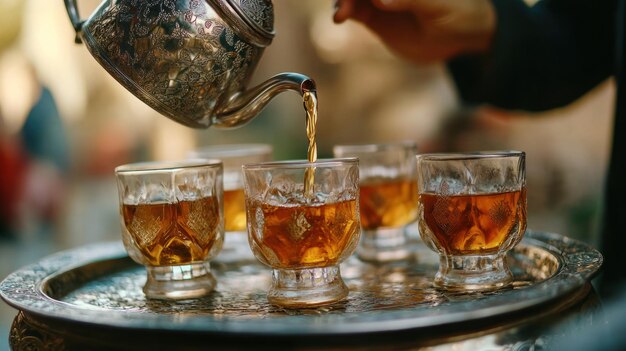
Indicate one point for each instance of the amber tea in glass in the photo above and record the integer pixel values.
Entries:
(388, 198)
(326, 232)
(233, 156)
(303, 232)
(172, 222)
(388, 203)
(234, 212)
(472, 210)
(173, 233)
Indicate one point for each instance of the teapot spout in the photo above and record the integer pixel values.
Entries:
(243, 107)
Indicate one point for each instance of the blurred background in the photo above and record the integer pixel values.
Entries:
(65, 124)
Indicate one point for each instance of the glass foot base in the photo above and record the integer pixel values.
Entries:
(385, 245)
(179, 282)
(473, 273)
(311, 287)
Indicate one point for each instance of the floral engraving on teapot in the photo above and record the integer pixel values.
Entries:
(260, 13)
(190, 60)
(182, 61)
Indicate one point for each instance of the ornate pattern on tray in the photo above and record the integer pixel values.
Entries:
(80, 284)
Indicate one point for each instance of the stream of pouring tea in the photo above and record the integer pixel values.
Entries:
(310, 106)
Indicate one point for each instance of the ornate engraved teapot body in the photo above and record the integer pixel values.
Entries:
(190, 60)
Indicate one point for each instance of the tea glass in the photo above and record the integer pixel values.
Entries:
(172, 223)
(388, 199)
(303, 232)
(233, 156)
(472, 210)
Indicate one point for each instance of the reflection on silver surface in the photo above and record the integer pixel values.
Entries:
(189, 60)
(99, 284)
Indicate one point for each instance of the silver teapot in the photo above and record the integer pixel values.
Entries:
(190, 60)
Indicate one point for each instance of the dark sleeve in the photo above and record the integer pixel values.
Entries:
(542, 57)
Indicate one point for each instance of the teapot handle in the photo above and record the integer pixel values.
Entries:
(72, 12)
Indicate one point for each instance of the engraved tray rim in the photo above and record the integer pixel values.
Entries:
(24, 290)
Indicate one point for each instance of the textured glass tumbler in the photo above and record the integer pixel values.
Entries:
(472, 210)
(233, 156)
(172, 223)
(388, 200)
(303, 221)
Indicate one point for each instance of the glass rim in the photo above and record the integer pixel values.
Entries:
(375, 147)
(233, 150)
(473, 155)
(327, 162)
(167, 166)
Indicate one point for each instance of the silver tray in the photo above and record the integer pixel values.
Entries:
(98, 285)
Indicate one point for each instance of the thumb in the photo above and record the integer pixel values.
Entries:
(396, 5)
(344, 9)
(419, 8)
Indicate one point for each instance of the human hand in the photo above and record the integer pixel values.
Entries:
(425, 31)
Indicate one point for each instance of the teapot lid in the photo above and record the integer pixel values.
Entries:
(251, 19)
